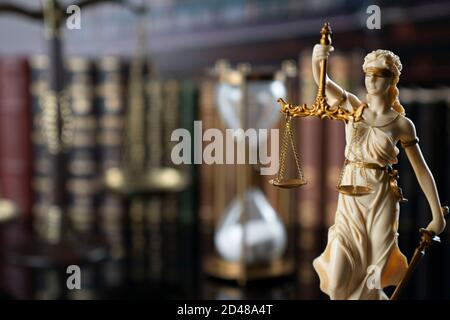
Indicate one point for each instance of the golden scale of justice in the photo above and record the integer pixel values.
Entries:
(320, 109)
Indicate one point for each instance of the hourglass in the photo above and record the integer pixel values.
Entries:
(250, 239)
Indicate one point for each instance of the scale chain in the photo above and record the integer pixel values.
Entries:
(284, 148)
(294, 151)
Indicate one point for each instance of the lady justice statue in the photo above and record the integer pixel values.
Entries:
(362, 243)
(363, 238)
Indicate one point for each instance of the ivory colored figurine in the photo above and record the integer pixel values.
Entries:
(362, 243)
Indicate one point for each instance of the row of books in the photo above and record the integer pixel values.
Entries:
(98, 93)
(149, 230)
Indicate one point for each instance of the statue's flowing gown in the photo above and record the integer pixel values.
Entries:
(365, 227)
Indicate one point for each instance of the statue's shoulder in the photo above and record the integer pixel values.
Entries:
(406, 128)
(405, 123)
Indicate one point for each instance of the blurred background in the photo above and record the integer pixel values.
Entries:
(86, 117)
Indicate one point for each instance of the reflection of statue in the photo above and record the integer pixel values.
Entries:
(364, 236)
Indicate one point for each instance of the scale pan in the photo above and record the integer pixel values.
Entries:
(288, 184)
(355, 191)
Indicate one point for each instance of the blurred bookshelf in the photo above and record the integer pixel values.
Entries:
(156, 242)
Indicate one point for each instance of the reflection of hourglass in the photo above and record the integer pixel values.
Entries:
(251, 238)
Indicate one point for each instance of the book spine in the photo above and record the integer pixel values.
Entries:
(188, 199)
(15, 135)
(14, 280)
(408, 182)
(188, 113)
(431, 121)
(310, 204)
(137, 211)
(153, 218)
(170, 204)
(436, 162)
(41, 180)
(135, 162)
(154, 207)
(445, 197)
(311, 144)
(206, 172)
(82, 181)
(47, 286)
(334, 140)
(110, 132)
(286, 200)
(292, 83)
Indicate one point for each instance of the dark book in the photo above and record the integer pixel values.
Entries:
(431, 122)
(170, 216)
(136, 211)
(445, 200)
(432, 146)
(47, 285)
(83, 178)
(154, 209)
(407, 230)
(187, 199)
(41, 176)
(134, 162)
(16, 165)
(110, 106)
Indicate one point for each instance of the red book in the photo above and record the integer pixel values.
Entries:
(310, 134)
(15, 135)
(311, 148)
(207, 116)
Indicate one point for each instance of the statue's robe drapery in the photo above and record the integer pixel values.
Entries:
(365, 227)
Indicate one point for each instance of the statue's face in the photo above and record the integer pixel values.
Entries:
(376, 84)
